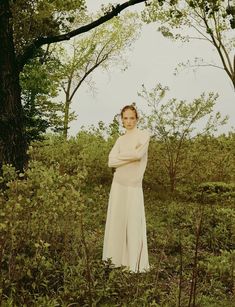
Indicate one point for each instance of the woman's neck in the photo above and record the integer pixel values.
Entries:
(130, 131)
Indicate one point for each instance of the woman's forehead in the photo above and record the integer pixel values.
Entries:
(128, 112)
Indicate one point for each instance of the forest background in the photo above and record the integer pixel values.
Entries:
(53, 210)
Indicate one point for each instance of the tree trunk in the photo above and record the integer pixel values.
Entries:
(172, 179)
(66, 119)
(13, 145)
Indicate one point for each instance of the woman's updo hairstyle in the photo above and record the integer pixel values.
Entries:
(131, 107)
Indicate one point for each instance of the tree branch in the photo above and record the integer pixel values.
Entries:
(198, 38)
(85, 76)
(219, 51)
(207, 65)
(63, 87)
(219, 38)
(40, 41)
(201, 33)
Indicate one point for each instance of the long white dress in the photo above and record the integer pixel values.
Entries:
(125, 240)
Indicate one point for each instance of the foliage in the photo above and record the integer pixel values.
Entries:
(210, 159)
(216, 191)
(65, 68)
(25, 27)
(99, 49)
(32, 19)
(52, 227)
(173, 125)
(86, 152)
(39, 82)
(207, 20)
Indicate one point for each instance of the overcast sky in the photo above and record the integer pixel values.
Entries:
(152, 60)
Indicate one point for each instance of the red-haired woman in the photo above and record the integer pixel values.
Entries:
(125, 240)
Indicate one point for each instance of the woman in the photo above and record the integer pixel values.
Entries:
(125, 240)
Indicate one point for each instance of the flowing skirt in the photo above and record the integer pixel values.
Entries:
(125, 240)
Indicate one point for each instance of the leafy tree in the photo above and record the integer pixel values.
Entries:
(101, 48)
(41, 24)
(173, 124)
(39, 82)
(209, 20)
(32, 19)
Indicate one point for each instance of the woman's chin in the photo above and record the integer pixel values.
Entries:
(130, 127)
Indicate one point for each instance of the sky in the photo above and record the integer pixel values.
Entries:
(151, 60)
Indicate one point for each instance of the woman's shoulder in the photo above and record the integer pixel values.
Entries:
(144, 133)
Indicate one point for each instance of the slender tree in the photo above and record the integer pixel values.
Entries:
(101, 48)
(173, 123)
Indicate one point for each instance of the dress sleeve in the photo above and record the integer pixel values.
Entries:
(141, 148)
(117, 159)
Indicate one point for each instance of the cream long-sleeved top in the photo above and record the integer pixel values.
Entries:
(129, 157)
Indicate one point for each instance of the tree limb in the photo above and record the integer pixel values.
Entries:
(207, 65)
(85, 75)
(218, 47)
(40, 41)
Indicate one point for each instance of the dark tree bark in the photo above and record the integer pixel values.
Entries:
(12, 138)
(13, 146)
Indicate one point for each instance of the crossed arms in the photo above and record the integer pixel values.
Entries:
(117, 158)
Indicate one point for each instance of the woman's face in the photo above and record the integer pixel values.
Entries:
(129, 119)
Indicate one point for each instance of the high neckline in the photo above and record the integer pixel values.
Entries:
(128, 132)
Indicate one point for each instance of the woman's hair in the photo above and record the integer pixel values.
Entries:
(130, 107)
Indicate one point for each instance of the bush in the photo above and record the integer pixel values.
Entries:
(52, 227)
